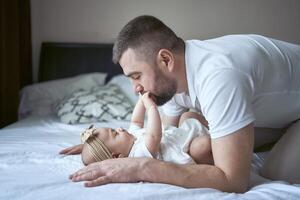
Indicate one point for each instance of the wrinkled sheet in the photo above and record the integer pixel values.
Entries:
(31, 168)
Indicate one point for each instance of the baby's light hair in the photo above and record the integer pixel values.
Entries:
(98, 149)
(95, 145)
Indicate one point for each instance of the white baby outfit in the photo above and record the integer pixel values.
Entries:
(175, 142)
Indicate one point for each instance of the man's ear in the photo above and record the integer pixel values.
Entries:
(165, 58)
(117, 155)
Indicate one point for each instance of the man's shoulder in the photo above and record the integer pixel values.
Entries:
(206, 55)
(226, 37)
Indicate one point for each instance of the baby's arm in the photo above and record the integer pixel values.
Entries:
(73, 150)
(154, 129)
(138, 114)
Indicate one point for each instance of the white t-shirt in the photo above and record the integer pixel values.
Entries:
(174, 145)
(238, 79)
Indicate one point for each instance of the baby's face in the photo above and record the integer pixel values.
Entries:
(117, 140)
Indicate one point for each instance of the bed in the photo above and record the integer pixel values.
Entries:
(30, 166)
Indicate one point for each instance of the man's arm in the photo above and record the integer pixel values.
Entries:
(232, 157)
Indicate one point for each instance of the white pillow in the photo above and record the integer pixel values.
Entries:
(42, 98)
(100, 104)
(124, 83)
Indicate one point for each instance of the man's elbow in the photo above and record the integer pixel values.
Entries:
(233, 182)
(239, 188)
(237, 185)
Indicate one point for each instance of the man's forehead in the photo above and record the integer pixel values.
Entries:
(128, 57)
(131, 69)
(132, 64)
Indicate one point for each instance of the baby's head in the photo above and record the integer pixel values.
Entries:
(105, 143)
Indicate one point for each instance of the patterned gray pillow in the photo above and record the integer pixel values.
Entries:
(100, 104)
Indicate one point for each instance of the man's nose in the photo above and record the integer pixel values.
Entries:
(138, 89)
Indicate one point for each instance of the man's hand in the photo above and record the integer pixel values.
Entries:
(77, 149)
(120, 170)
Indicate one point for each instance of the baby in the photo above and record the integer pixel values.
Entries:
(187, 144)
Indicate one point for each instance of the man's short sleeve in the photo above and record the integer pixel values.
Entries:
(226, 101)
(171, 108)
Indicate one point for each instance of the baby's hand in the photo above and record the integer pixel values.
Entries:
(77, 149)
(147, 100)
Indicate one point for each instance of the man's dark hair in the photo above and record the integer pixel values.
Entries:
(147, 35)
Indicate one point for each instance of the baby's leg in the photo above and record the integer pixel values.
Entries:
(194, 115)
(200, 150)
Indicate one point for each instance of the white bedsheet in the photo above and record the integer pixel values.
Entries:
(31, 168)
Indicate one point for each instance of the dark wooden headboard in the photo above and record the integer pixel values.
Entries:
(62, 60)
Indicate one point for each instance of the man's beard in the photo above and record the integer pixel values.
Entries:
(161, 100)
(167, 93)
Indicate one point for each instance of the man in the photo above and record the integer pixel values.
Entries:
(237, 82)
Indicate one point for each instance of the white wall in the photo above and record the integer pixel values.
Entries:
(101, 20)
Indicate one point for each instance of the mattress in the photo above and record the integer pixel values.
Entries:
(31, 168)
